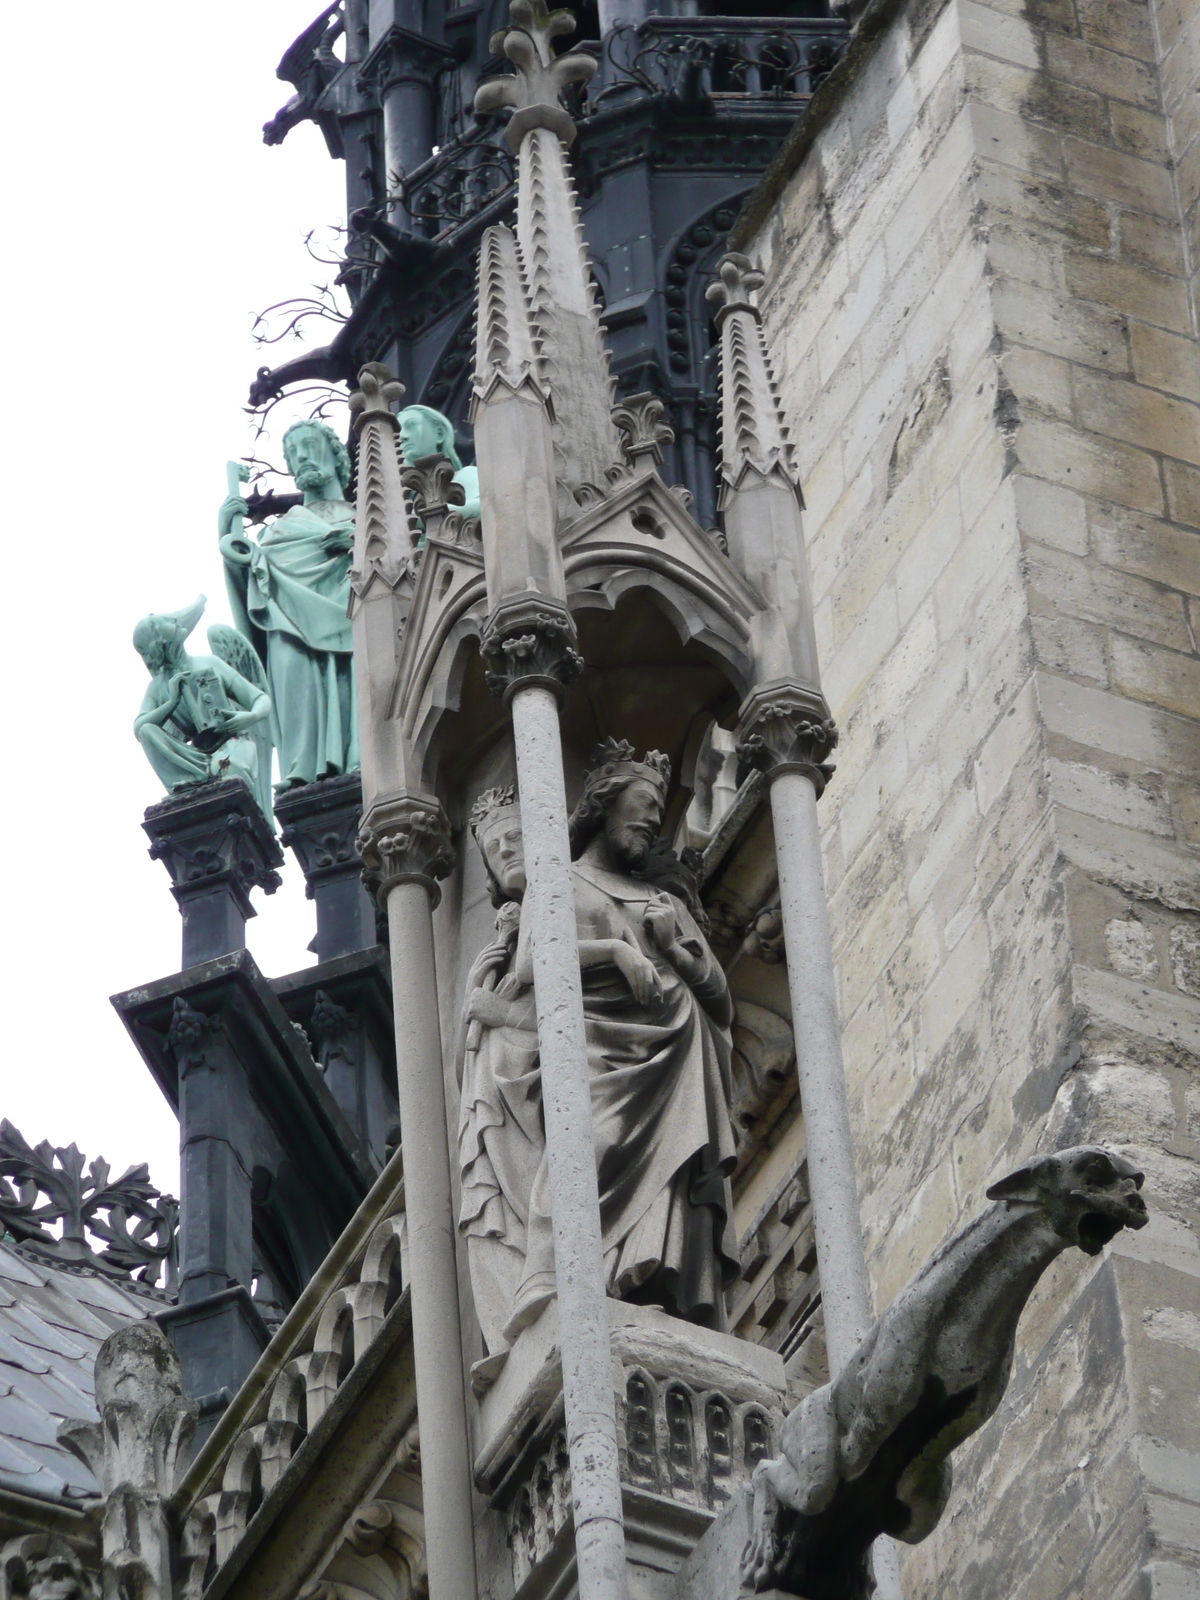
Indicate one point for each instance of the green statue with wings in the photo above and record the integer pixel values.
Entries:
(204, 718)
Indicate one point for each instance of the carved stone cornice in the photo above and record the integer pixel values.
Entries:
(539, 76)
(754, 440)
(214, 835)
(529, 642)
(787, 728)
(403, 56)
(405, 840)
(643, 432)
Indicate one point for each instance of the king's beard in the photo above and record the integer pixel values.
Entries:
(630, 845)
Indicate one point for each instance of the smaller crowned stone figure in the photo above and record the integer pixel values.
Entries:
(203, 718)
(426, 432)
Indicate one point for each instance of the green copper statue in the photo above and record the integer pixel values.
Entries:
(426, 432)
(203, 717)
(289, 593)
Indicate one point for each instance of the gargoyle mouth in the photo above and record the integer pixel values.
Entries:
(1098, 1228)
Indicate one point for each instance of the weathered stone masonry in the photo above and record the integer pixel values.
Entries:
(980, 302)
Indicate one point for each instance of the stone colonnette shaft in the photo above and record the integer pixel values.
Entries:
(567, 1101)
(445, 1455)
(833, 1187)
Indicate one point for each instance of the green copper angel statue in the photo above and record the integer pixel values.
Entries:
(289, 592)
(203, 717)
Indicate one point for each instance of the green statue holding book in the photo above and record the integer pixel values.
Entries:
(203, 718)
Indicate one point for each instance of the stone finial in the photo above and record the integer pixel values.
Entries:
(533, 89)
(136, 1451)
(643, 432)
(753, 436)
(378, 391)
(737, 279)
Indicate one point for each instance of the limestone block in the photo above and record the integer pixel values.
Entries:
(1147, 547)
(1080, 62)
(1075, 587)
(1183, 492)
(1161, 677)
(1154, 242)
(1152, 296)
(1185, 958)
(1110, 723)
(1131, 948)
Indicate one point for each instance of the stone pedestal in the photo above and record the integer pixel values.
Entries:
(217, 846)
(218, 1337)
(696, 1412)
(320, 823)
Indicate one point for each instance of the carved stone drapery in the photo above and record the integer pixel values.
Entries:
(406, 841)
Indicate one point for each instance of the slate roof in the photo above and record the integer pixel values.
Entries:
(53, 1320)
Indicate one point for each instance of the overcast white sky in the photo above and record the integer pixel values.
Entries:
(146, 222)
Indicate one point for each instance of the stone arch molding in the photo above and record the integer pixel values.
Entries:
(638, 536)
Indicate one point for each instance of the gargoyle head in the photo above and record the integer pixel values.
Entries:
(1088, 1193)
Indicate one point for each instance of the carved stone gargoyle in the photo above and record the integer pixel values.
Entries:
(869, 1453)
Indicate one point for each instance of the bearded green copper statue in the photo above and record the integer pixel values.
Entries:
(426, 432)
(289, 592)
(203, 718)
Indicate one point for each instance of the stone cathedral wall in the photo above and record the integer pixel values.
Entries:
(980, 303)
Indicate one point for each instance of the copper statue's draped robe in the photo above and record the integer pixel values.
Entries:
(291, 604)
(660, 1115)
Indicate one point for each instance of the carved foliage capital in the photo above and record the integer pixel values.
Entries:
(320, 822)
(406, 841)
(530, 643)
(788, 731)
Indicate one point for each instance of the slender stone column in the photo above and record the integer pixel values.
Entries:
(785, 728)
(567, 1104)
(845, 1293)
(403, 846)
